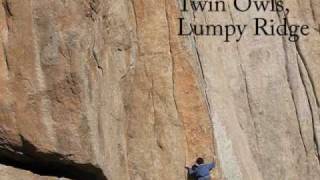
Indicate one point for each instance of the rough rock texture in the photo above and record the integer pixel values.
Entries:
(9, 173)
(107, 90)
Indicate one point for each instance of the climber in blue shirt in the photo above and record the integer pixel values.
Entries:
(201, 171)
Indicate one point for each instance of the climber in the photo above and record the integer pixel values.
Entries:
(199, 170)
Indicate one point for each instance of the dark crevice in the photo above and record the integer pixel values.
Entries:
(27, 157)
(8, 12)
(93, 9)
(6, 57)
(203, 78)
(94, 4)
(95, 57)
(6, 6)
(247, 91)
(199, 59)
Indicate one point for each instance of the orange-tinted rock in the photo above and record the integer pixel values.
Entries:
(107, 89)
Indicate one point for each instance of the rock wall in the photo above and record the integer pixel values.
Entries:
(105, 89)
(8, 173)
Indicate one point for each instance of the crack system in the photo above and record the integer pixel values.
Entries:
(284, 45)
(302, 63)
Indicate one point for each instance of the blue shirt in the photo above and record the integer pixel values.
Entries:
(202, 170)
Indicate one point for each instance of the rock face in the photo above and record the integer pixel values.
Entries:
(106, 89)
(8, 173)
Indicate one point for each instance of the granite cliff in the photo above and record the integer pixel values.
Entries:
(106, 89)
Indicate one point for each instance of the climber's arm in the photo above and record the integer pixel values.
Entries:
(211, 166)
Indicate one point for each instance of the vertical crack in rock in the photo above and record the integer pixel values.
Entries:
(6, 6)
(246, 84)
(201, 70)
(155, 122)
(242, 69)
(5, 54)
(313, 13)
(300, 64)
(231, 16)
(133, 62)
(135, 17)
(173, 76)
(27, 157)
(284, 45)
(8, 12)
(304, 63)
(171, 56)
(199, 59)
(94, 5)
(243, 72)
(303, 59)
(247, 92)
(95, 57)
(190, 101)
(314, 112)
(203, 78)
(293, 98)
(311, 107)
(205, 96)
(93, 11)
